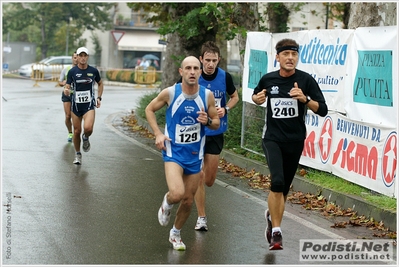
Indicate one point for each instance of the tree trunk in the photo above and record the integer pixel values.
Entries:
(44, 46)
(372, 14)
(179, 47)
(170, 65)
(278, 15)
(247, 16)
(388, 12)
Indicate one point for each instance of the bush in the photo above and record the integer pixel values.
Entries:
(131, 80)
(108, 74)
(127, 75)
(113, 75)
(232, 137)
(144, 101)
(118, 75)
(236, 78)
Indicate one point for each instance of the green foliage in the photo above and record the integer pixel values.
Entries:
(48, 23)
(97, 48)
(108, 74)
(144, 101)
(236, 77)
(200, 18)
(233, 134)
(126, 75)
(388, 203)
(118, 76)
(340, 12)
(278, 13)
(132, 77)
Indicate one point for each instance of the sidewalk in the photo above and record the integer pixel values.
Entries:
(300, 184)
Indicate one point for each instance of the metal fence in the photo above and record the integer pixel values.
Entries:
(44, 72)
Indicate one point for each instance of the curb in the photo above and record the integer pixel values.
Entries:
(300, 184)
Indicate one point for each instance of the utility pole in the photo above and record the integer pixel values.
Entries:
(68, 20)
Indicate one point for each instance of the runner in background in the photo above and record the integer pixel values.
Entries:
(84, 101)
(66, 100)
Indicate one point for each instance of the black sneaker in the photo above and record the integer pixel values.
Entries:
(268, 231)
(277, 241)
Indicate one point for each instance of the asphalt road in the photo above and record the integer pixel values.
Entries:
(105, 211)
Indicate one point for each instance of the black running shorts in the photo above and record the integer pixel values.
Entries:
(65, 98)
(282, 159)
(214, 144)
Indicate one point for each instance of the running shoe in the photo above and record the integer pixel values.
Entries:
(268, 231)
(277, 241)
(86, 143)
(176, 241)
(163, 213)
(70, 136)
(78, 159)
(201, 224)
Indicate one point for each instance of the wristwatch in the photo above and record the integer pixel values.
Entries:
(209, 123)
(226, 109)
(100, 98)
(307, 99)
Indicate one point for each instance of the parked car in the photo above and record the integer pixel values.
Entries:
(48, 67)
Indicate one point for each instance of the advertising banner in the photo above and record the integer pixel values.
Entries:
(355, 70)
(362, 153)
(324, 55)
(257, 60)
(372, 87)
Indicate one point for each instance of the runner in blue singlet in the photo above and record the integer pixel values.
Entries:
(190, 108)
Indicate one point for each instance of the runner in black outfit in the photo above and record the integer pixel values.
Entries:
(289, 93)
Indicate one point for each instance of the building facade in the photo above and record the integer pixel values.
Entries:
(130, 40)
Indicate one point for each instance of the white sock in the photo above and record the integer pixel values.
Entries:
(176, 231)
(276, 229)
(166, 205)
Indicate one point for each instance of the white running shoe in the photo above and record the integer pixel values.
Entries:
(78, 159)
(176, 241)
(201, 224)
(163, 213)
(86, 143)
